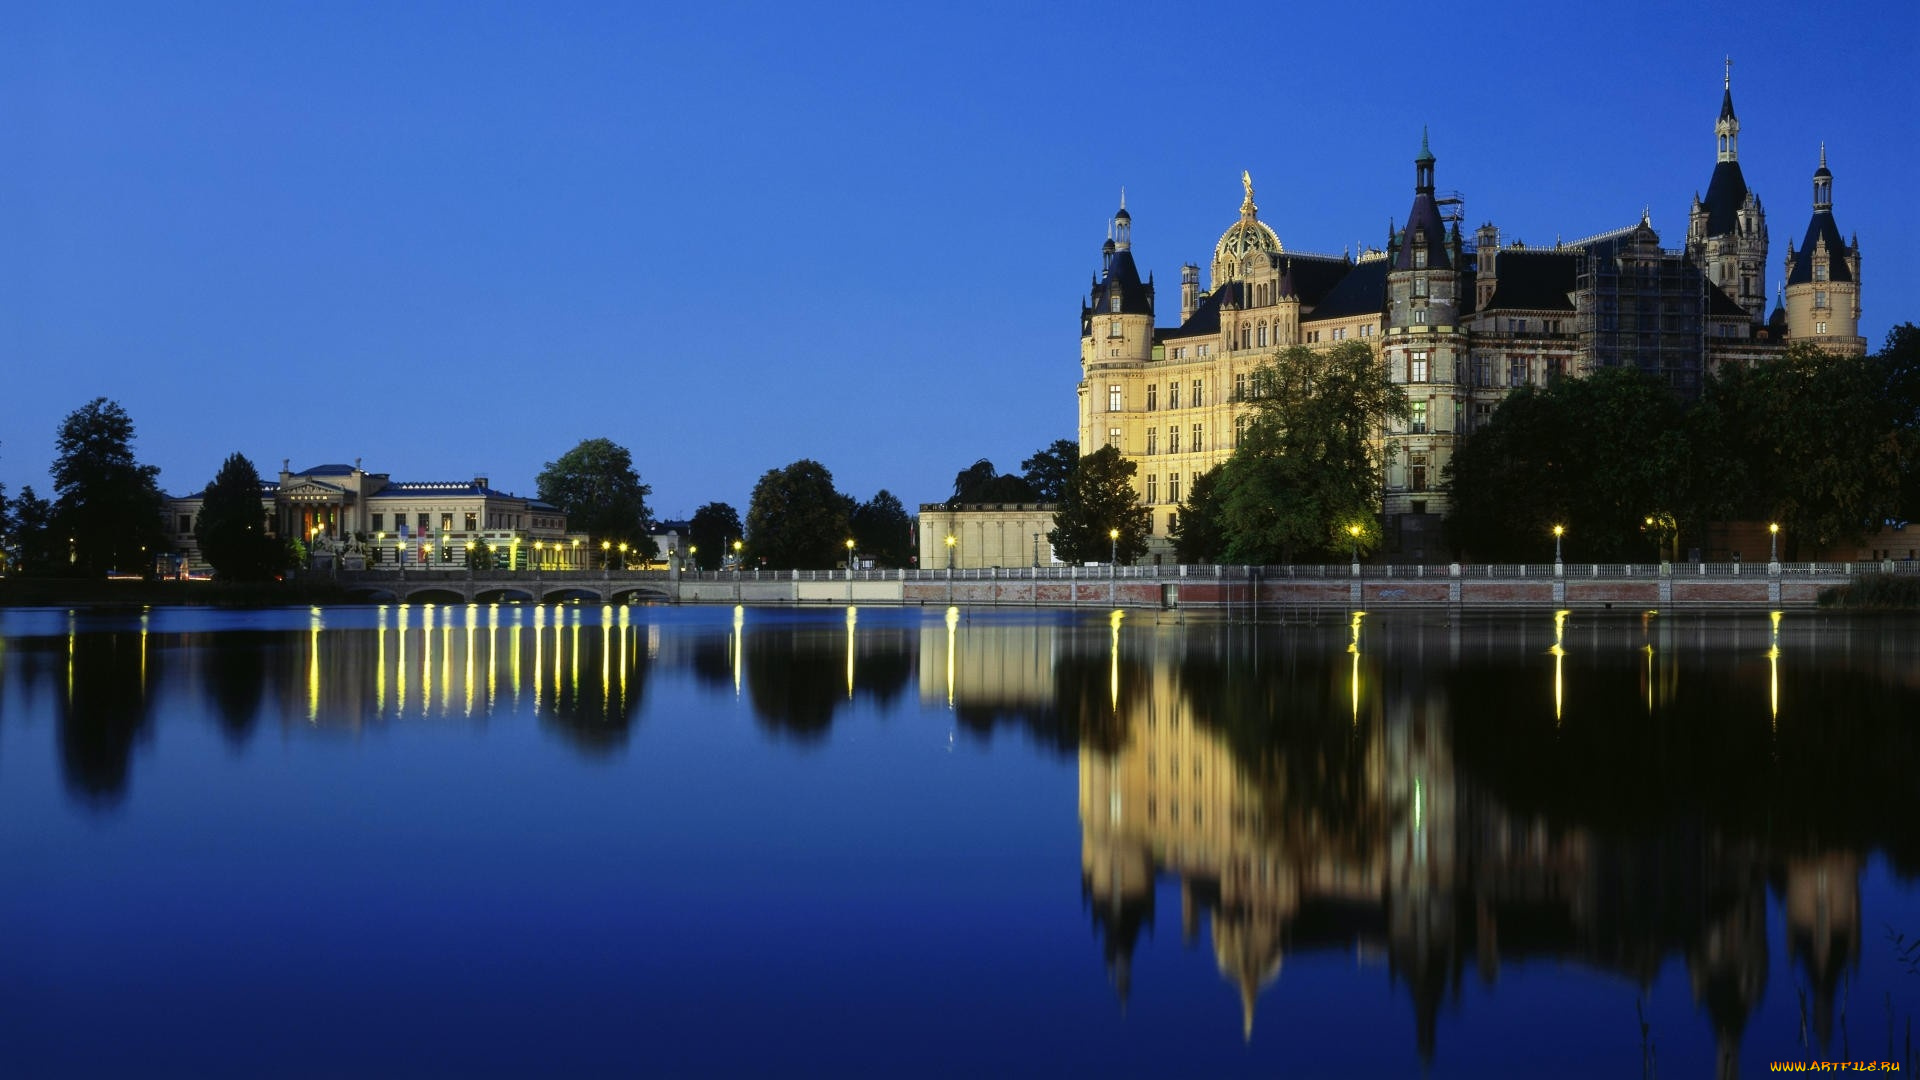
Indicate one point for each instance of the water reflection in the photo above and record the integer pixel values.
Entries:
(1435, 799)
(1422, 802)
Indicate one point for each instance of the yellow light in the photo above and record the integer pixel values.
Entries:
(1113, 534)
(1773, 527)
(1559, 530)
(951, 541)
(1353, 531)
(849, 545)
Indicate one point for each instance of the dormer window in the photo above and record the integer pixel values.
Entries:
(1419, 237)
(1820, 271)
(1113, 303)
(1113, 329)
(1420, 261)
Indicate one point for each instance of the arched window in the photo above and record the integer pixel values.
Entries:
(1263, 335)
(1246, 337)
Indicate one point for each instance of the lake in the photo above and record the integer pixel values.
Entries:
(575, 841)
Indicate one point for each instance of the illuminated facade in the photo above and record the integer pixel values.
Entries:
(1459, 320)
(985, 535)
(343, 509)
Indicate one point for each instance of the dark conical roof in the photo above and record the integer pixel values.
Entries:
(1726, 194)
(1726, 105)
(1123, 278)
(1822, 227)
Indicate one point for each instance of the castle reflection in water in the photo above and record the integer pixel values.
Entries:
(1430, 797)
(1436, 797)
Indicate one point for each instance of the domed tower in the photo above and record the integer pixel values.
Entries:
(1727, 232)
(1423, 343)
(1823, 278)
(1244, 238)
(1116, 336)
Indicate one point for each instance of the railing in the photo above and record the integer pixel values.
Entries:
(1174, 574)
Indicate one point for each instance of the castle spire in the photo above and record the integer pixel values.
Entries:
(1726, 129)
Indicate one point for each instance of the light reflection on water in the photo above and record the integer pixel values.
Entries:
(1678, 830)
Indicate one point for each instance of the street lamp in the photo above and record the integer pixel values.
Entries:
(950, 542)
(736, 556)
(849, 558)
(1113, 552)
(1354, 532)
(538, 559)
(1773, 541)
(623, 554)
(693, 550)
(576, 554)
(606, 554)
(1558, 531)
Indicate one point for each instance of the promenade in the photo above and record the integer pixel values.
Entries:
(1341, 586)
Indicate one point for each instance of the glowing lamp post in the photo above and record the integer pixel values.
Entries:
(1113, 552)
(1558, 532)
(577, 564)
(606, 554)
(1354, 532)
(623, 555)
(736, 556)
(849, 559)
(950, 542)
(1773, 544)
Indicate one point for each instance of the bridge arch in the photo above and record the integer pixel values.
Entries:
(640, 594)
(503, 594)
(560, 594)
(434, 594)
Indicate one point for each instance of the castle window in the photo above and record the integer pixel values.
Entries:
(1516, 372)
(1240, 386)
(1339, 333)
(1239, 429)
(1199, 441)
(1206, 350)
(1113, 437)
(1420, 317)
(1113, 329)
(1819, 271)
(1153, 443)
(1246, 337)
(1820, 299)
(1197, 395)
(1153, 488)
(1420, 285)
(1263, 335)
(1153, 390)
(1819, 328)
(379, 523)
(1482, 371)
(1417, 367)
(1418, 424)
(1417, 471)
(1420, 261)
(1173, 395)
(1113, 303)
(1113, 398)
(1173, 522)
(422, 519)
(1173, 487)
(1173, 439)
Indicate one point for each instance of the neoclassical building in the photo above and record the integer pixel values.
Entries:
(420, 523)
(1460, 320)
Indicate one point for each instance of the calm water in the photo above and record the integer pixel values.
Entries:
(693, 841)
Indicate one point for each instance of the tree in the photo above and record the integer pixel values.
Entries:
(883, 530)
(796, 520)
(596, 486)
(1196, 534)
(1049, 469)
(1098, 500)
(479, 556)
(232, 526)
(981, 483)
(1606, 457)
(714, 530)
(33, 532)
(107, 503)
(1309, 467)
(1810, 440)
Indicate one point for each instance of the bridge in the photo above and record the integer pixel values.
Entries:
(1627, 586)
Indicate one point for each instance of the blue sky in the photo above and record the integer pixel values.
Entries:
(453, 240)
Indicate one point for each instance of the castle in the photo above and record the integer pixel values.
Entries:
(1459, 320)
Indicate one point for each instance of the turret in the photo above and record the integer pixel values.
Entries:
(1823, 278)
(1727, 231)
